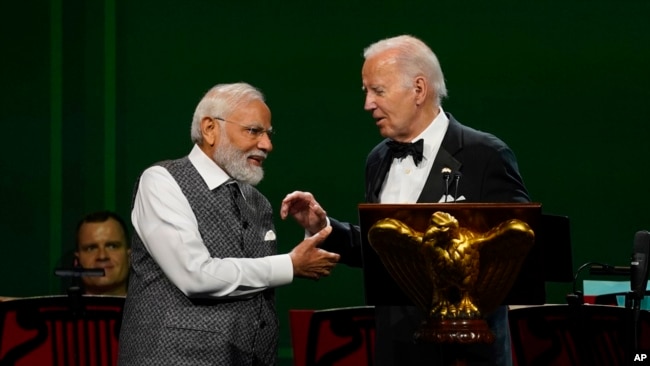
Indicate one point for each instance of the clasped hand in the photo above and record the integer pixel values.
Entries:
(304, 208)
(309, 261)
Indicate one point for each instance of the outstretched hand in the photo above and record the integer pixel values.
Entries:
(310, 261)
(304, 208)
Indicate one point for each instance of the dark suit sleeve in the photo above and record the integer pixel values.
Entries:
(501, 180)
(345, 240)
(488, 167)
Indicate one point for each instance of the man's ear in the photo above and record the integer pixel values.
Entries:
(421, 90)
(75, 261)
(210, 130)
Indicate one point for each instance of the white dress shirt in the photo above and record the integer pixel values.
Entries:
(165, 222)
(405, 181)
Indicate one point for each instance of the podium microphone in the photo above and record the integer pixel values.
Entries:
(446, 174)
(639, 265)
(457, 176)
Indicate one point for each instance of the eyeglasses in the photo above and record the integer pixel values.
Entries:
(254, 132)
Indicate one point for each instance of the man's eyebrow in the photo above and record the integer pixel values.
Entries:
(254, 124)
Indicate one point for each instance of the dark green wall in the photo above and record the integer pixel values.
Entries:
(95, 91)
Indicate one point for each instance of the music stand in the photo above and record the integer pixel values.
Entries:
(75, 291)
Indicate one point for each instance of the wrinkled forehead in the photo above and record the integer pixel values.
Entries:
(379, 70)
(380, 61)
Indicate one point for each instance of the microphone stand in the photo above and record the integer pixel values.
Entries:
(636, 318)
(633, 303)
(456, 181)
(446, 174)
(75, 291)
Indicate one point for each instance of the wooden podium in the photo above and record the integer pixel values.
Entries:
(389, 282)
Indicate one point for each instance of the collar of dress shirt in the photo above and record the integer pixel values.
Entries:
(211, 173)
(433, 134)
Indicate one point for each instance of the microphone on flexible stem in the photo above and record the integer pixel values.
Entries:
(576, 297)
(446, 174)
(457, 176)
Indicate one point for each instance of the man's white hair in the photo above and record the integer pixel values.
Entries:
(414, 58)
(220, 101)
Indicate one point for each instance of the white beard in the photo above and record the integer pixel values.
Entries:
(235, 162)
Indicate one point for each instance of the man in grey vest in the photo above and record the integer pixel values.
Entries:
(204, 260)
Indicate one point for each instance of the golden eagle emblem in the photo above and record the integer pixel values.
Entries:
(451, 272)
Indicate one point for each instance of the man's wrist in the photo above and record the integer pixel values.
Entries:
(308, 232)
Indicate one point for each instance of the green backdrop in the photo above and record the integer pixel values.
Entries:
(95, 91)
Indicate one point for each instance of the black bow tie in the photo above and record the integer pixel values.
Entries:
(400, 150)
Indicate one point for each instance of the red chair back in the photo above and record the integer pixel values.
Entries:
(60, 331)
(576, 335)
(338, 337)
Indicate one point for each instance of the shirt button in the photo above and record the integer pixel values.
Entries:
(407, 171)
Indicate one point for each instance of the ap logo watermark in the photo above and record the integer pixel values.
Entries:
(641, 357)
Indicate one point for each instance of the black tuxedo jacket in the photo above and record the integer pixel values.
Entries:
(488, 173)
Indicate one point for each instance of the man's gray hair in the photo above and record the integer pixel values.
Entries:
(220, 101)
(414, 58)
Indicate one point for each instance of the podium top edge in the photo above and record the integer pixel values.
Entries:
(455, 205)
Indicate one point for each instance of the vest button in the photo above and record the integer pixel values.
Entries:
(262, 324)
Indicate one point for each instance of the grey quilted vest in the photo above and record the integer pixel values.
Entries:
(162, 326)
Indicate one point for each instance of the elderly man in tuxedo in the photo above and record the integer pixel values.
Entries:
(427, 157)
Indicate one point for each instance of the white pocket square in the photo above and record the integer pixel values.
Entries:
(270, 235)
(449, 198)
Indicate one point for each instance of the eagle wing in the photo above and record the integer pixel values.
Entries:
(502, 252)
(401, 251)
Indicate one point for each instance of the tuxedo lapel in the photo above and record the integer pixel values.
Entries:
(376, 174)
(434, 188)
